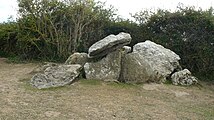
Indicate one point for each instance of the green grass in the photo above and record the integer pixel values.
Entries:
(66, 87)
(205, 111)
(168, 82)
(85, 82)
(27, 86)
(90, 82)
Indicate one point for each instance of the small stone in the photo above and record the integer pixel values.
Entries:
(77, 58)
(127, 49)
(183, 77)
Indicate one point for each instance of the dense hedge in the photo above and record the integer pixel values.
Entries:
(54, 30)
(189, 33)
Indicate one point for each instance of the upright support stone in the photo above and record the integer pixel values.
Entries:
(107, 68)
(149, 62)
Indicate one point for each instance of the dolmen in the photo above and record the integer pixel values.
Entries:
(111, 59)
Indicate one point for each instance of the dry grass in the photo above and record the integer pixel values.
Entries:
(99, 100)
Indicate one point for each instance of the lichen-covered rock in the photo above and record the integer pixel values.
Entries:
(107, 68)
(162, 61)
(148, 62)
(109, 44)
(183, 77)
(77, 58)
(135, 69)
(55, 76)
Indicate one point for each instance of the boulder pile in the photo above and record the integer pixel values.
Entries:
(110, 59)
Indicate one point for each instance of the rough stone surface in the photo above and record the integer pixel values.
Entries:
(183, 77)
(77, 58)
(107, 68)
(127, 49)
(135, 69)
(162, 61)
(55, 76)
(109, 44)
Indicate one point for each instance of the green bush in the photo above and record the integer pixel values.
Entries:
(187, 32)
(8, 38)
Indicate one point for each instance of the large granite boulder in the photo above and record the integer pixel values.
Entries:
(163, 61)
(77, 58)
(56, 76)
(183, 77)
(109, 44)
(135, 69)
(149, 62)
(108, 68)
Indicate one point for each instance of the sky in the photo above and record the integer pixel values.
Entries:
(125, 7)
(132, 6)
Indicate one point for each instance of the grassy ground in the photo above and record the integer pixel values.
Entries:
(91, 99)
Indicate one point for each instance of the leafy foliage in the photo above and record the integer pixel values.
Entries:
(8, 38)
(54, 29)
(189, 33)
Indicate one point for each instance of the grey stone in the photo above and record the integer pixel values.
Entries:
(162, 60)
(149, 62)
(56, 76)
(183, 77)
(127, 49)
(135, 69)
(77, 58)
(109, 44)
(107, 68)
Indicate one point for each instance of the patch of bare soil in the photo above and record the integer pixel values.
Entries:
(98, 100)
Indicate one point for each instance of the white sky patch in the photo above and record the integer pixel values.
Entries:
(8, 8)
(125, 7)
